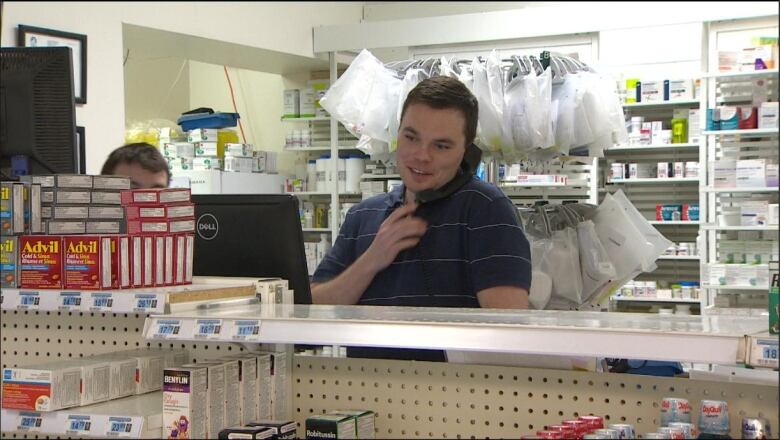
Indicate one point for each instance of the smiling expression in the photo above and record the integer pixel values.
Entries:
(431, 144)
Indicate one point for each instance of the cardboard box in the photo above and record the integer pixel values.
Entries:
(158, 261)
(248, 391)
(41, 261)
(291, 105)
(147, 226)
(70, 212)
(283, 429)
(105, 227)
(189, 244)
(215, 396)
(106, 198)
(49, 387)
(73, 181)
(106, 212)
(160, 212)
(162, 196)
(232, 392)
(72, 197)
(11, 208)
(148, 261)
(768, 115)
(751, 173)
(114, 183)
(365, 421)
(44, 181)
(264, 386)
(9, 262)
(169, 261)
(110, 262)
(185, 401)
(330, 426)
(203, 135)
(180, 254)
(137, 258)
(32, 209)
(246, 432)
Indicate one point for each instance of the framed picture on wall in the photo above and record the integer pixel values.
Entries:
(29, 36)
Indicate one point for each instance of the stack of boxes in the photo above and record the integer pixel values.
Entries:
(660, 91)
(92, 232)
(93, 379)
(217, 149)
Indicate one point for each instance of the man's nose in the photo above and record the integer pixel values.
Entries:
(423, 154)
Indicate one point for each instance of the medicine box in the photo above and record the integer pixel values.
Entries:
(365, 421)
(751, 173)
(41, 259)
(215, 396)
(185, 402)
(330, 426)
(115, 183)
(283, 429)
(48, 387)
(291, 105)
(155, 196)
(9, 262)
(678, 89)
(767, 115)
(652, 91)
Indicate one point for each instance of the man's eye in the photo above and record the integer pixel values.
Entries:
(443, 146)
(409, 137)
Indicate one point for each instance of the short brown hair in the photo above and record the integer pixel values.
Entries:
(442, 92)
(145, 155)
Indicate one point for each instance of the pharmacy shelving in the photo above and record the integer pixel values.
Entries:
(130, 417)
(310, 119)
(674, 222)
(654, 104)
(655, 300)
(627, 148)
(316, 148)
(569, 184)
(682, 338)
(733, 287)
(379, 176)
(757, 189)
(739, 228)
(741, 76)
(322, 193)
(680, 257)
(754, 132)
(668, 180)
(139, 300)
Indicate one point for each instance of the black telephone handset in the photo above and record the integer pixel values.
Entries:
(467, 169)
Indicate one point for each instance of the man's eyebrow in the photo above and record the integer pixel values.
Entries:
(410, 130)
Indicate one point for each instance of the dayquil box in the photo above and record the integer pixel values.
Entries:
(40, 261)
(83, 262)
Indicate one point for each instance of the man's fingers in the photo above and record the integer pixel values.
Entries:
(402, 211)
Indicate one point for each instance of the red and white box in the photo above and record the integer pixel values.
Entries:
(125, 261)
(147, 226)
(40, 261)
(109, 269)
(169, 260)
(137, 261)
(180, 245)
(158, 261)
(160, 212)
(83, 267)
(160, 196)
(189, 245)
(148, 261)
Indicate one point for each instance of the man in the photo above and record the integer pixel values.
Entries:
(142, 162)
(463, 250)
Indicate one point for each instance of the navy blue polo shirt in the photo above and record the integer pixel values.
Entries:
(474, 241)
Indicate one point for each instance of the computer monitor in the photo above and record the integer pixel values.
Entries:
(251, 235)
(37, 109)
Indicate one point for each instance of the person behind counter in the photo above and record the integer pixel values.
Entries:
(142, 162)
(463, 246)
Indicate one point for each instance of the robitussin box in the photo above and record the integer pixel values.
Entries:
(40, 261)
(330, 426)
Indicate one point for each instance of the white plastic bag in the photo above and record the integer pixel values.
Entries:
(364, 98)
(562, 264)
(658, 243)
(489, 130)
(597, 269)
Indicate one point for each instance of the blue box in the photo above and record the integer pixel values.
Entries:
(208, 120)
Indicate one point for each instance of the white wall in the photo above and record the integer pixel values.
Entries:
(156, 89)
(284, 27)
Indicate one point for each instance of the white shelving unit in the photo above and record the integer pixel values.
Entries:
(735, 89)
(655, 300)
(646, 193)
(706, 339)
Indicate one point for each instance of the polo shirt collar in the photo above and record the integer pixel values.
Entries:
(396, 196)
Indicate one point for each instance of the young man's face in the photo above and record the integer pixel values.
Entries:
(431, 145)
(141, 177)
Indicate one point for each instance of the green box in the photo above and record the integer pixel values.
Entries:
(774, 306)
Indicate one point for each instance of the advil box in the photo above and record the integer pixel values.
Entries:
(40, 262)
(109, 262)
(83, 262)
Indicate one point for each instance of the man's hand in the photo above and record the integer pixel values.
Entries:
(400, 230)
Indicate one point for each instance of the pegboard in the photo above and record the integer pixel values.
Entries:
(30, 337)
(440, 400)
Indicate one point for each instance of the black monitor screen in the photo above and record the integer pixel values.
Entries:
(37, 113)
(251, 235)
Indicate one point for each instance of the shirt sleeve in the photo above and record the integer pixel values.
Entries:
(498, 250)
(341, 255)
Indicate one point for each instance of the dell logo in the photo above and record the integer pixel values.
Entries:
(208, 227)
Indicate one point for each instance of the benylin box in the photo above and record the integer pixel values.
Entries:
(184, 402)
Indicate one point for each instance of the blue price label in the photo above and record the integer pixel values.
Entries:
(146, 303)
(246, 329)
(29, 300)
(102, 302)
(208, 327)
(80, 425)
(770, 352)
(121, 427)
(29, 422)
(167, 328)
(71, 300)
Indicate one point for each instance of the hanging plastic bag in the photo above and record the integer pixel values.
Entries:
(658, 243)
(364, 98)
(543, 129)
(562, 264)
(489, 132)
(597, 269)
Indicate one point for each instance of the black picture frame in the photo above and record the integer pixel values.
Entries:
(81, 144)
(30, 36)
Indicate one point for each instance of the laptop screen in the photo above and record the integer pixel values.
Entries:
(251, 235)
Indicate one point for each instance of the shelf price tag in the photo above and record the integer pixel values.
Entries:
(78, 424)
(167, 329)
(29, 300)
(29, 421)
(119, 427)
(766, 353)
(70, 301)
(208, 328)
(145, 303)
(246, 330)
(101, 302)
